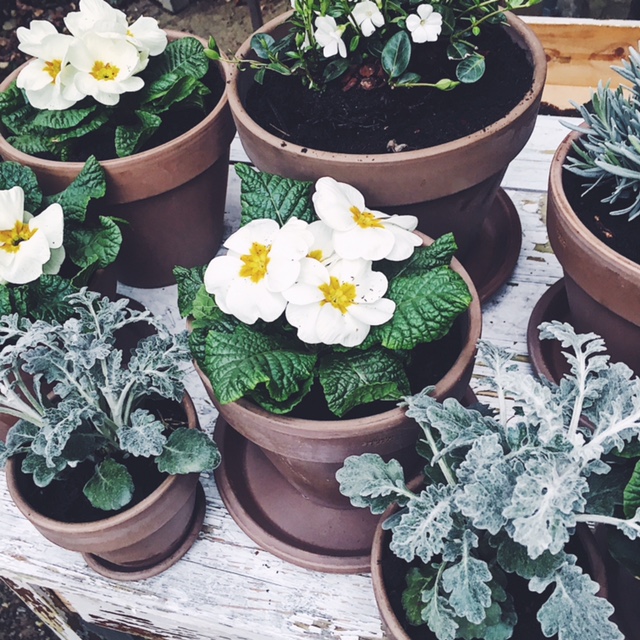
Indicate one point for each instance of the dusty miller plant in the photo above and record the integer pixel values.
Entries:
(505, 494)
(98, 412)
(608, 153)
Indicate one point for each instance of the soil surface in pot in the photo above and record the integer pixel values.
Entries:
(617, 232)
(63, 499)
(429, 363)
(381, 119)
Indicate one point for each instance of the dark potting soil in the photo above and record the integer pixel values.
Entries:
(63, 499)
(429, 363)
(617, 232)
(361, 121)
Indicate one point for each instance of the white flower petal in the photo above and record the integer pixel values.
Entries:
(373, 243)
(147, 35)
(375, 313)
(55, 261)
(261, 231)
(51, 221)
(11, 207)
(25, 265)
(304, 317)
(220, 273)
(333, 202)
(248, 302)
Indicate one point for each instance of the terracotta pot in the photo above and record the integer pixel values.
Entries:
(388, 577)
(305, 455)
(139, 542)
(602, 287)
(450, 187)
(172, 196)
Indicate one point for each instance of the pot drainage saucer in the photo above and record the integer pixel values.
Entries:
(115, 572)
(494, 256)
(281, 520)
(546, 355)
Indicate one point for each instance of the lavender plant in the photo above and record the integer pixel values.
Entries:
(609, 151)
(98, 412)
(505, 494)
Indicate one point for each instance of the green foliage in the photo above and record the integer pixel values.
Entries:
(510, 493)
(173, 83)
(99, 409)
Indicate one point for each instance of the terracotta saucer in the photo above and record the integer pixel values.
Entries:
(546, 355)
(281, 520)
(493, 258)
(109, 570)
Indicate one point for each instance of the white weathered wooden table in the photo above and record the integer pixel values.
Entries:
(225, 587)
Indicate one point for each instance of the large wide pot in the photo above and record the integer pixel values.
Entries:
(601, 290)
(172, 197)
(137, 543)
(449, 187)
(277, 476)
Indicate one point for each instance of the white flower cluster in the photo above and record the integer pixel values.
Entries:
(319, 274)
(424, 26)
(100, 59)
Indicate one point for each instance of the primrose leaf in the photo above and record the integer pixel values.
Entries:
(574, 611)
(44, 299)
(111, 487)
(143, 436)
(368, 481)
(260, 396)
(13, 174)
(188, 451)
(238, 362)
(90, 184)
(438, 254)
(471, 68)
(425, 524)
(396, 54)
(43, 474)
(350, 379)
(189, 283)
(130, 138)
(632, 493)
(182, 57)
(32, 144)
(263, 195)
(426, 307)
(97, 246)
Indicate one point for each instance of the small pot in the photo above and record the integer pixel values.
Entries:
(172, 196)
(139, 542)
(450, 187)
(602, 286)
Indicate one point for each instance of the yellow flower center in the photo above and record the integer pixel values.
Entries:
(255, 262)
(339, 294)
(11, 238)
(104, 71)
(316, 255)
(365, 219)
(52, 67)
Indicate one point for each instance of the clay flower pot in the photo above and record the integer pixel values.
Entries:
(388, 577)
(600, 291)
(139, 542)
(172, 196)
(277, 477)
(450, 187)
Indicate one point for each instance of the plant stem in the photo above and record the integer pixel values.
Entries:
(444, 467)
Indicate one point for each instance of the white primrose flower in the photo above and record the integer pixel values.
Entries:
(106, 67)
(359, 233)
(29, 246)
(425, 25)
(263, 260)
(329, 36)
(48, 80)
(367, 16)
(147, 36)
(321, 248)
(338, 303)
(96, 16)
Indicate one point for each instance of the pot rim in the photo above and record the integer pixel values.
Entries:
(109, 522)
(580, 234)
(539, 63)
(355, 427)
(150, 155)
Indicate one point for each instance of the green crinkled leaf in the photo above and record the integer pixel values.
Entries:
(350, 379)
(262, 398)
(13, 174)
(61, 119)
(426, 307)
(574, 611)
(368, 481)
(424, 259)
(18, 120)
(11, 98)
(167, 95)
(143, 436)
(130, 139)
(197, 345)
(5, 300)
(44, 299)
(632, 493)
(97, 246)
(189, 282)
(238, 362)
(188, 451)
(182, 57)
(90, 184)
(111, 486)
(33, 145)
(42, 473)
(264, 195)
(207, 314)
